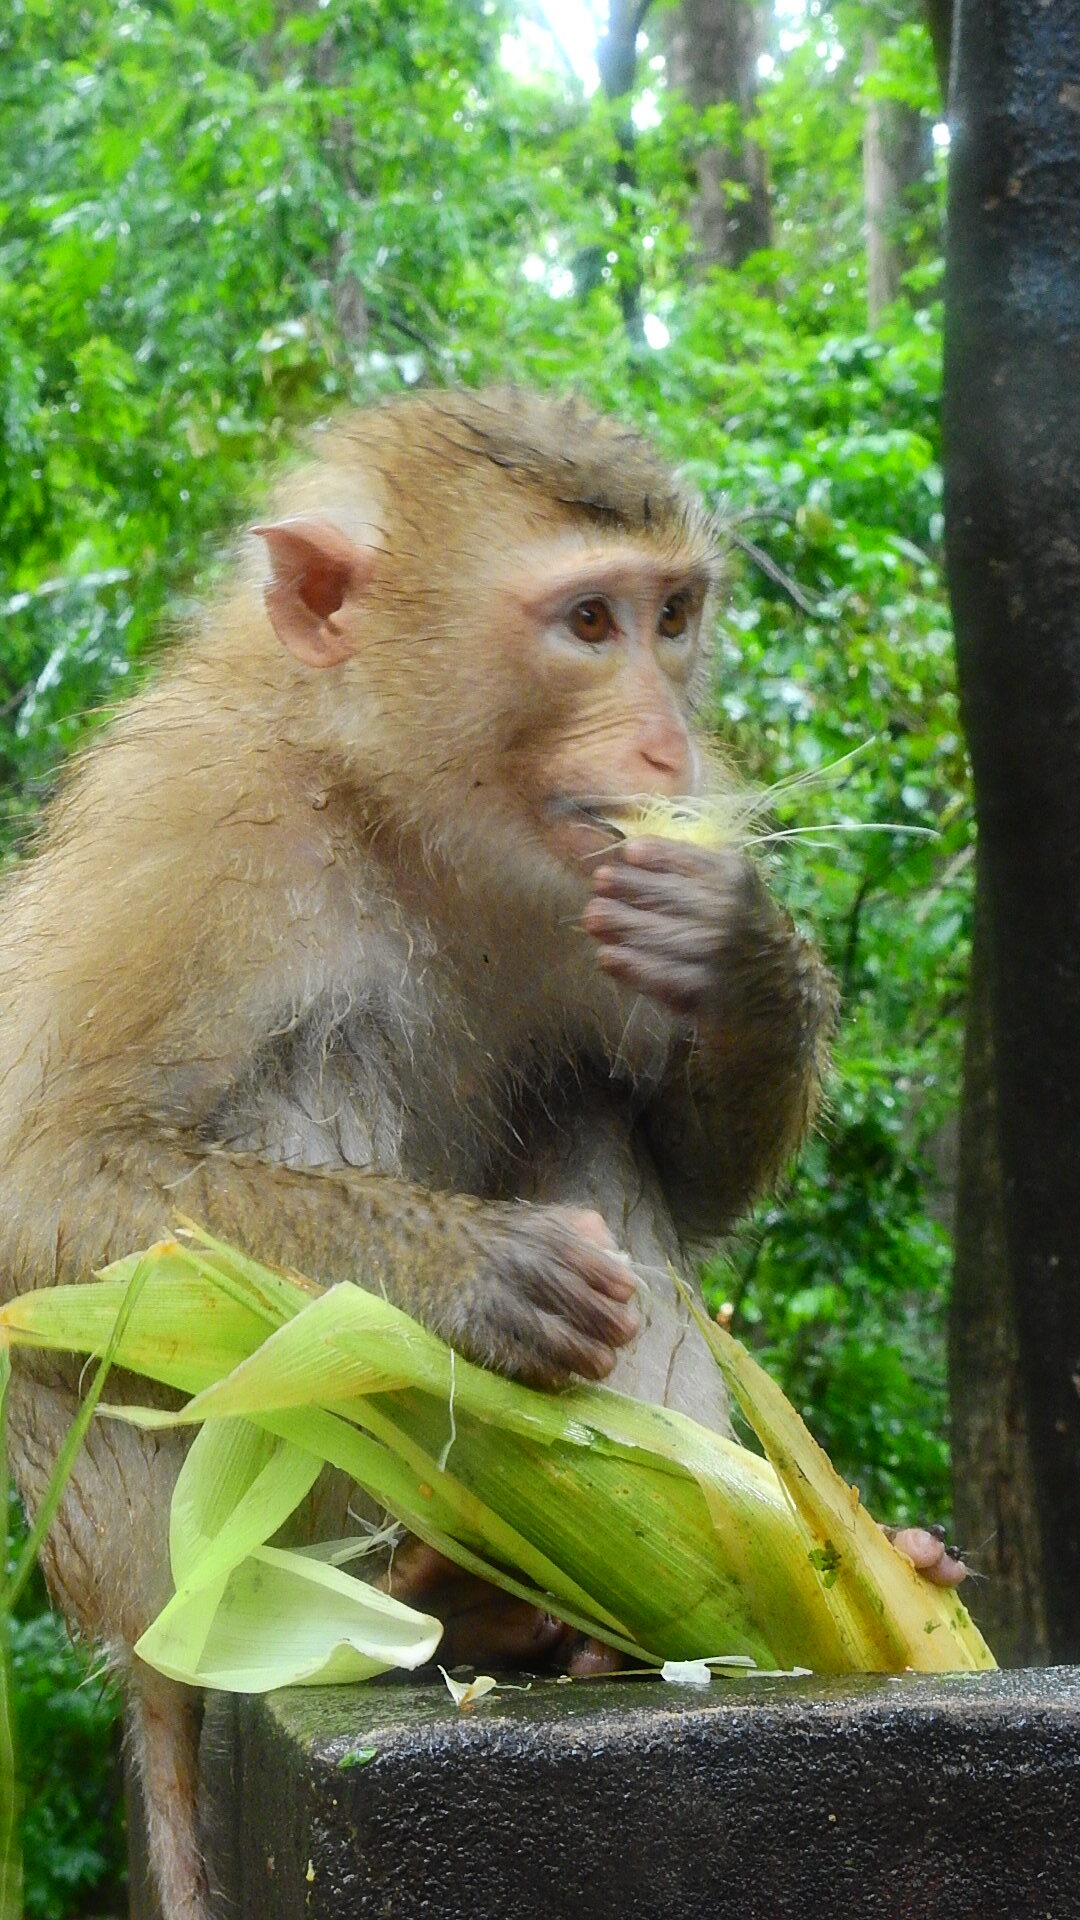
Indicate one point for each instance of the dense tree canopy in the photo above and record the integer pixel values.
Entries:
(220, 221)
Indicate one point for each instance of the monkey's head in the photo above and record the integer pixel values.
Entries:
(502, 597)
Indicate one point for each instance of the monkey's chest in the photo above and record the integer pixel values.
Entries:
(435, 1103)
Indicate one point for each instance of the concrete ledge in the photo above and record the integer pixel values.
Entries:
(633, 1800)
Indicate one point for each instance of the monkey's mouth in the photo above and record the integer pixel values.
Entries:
(592, 822)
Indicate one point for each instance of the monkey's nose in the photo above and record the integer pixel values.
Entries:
(665, 752)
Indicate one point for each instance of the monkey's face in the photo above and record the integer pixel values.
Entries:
(530, 691)
(603, 642)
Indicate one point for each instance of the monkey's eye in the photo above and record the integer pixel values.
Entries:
(592, 621)
(674, 617)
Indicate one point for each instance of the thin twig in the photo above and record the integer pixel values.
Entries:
(776, 573)
(851, 944)
(14, 700)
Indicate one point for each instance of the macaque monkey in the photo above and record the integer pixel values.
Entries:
(328, 944)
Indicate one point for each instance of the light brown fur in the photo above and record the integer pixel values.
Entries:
(302, 954)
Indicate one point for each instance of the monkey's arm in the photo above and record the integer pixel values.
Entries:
(538, 1293)
(697, 931)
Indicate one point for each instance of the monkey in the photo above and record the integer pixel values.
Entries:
(329, 943)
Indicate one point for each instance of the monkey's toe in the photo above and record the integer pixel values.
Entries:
(926, 1549)
(586, 1657)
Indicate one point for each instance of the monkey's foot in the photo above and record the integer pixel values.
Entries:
(485, 1627)
(926, 1549)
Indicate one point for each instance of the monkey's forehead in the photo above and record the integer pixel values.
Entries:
(508, 442)
(580, 559)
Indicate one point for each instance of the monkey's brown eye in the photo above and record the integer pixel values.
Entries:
(592, 620)
(674, 618)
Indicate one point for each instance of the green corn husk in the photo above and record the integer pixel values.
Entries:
(628, 1520)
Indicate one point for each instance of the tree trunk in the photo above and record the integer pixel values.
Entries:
(894, 160)
(713, 51)
(616, 60)
(939, 20)
(993, 1490)
(1012, 419)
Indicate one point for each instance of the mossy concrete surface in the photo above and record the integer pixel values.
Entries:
(768, 1799)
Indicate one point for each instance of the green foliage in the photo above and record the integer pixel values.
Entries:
(832, 467)
(219, 222)
(66, 1723)
(67, 1726)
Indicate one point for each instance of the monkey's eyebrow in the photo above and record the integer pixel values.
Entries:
(555, 579)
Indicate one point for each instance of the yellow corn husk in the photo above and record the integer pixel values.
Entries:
(628, 1520)
(719, 819)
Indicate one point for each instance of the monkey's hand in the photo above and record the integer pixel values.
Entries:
(550, 1296)
(695, 929)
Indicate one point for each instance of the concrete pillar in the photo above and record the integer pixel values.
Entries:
(634, 1800)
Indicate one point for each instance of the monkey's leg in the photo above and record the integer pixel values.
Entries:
(482, 1624)
(165, 1719)
(119, 1493)
(594, 1158)
(106, 1556)
(591, 1159)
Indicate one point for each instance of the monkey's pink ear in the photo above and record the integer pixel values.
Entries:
(315, 569)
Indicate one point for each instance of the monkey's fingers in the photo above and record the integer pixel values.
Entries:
(552, 1297)
(650, 862)
(564, 1349)
(658, 939)
(925, 1548)
(658, 874)
(675, 963)
(669, 856)
(575, 1321)
(592, 1287)
(578, 1254)
(543, 1349)
(683, 990)
(661, 892)
(683, 937)
(588, 1224)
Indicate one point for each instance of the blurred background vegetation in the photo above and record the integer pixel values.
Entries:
(721, 218)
